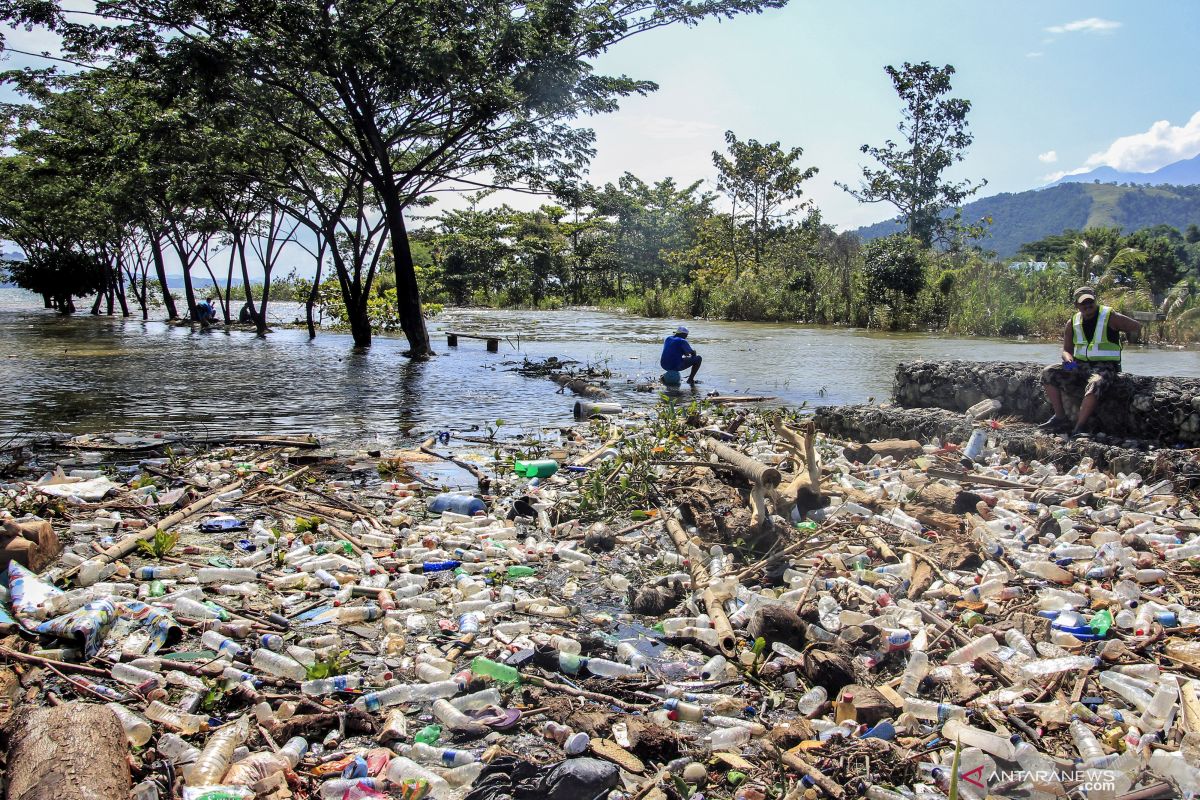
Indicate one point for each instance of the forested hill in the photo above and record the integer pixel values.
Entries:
(1033, 215)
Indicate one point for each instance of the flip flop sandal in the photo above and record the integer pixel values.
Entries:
(496, 718)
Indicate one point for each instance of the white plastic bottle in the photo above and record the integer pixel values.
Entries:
(973, 650)
(403, 771)
(137, 730)
(278, 664)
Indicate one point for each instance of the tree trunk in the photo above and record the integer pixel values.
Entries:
(408, 294)
(360, 322)
(312, 293)
(76, 751)
(96, 305)
(161, 269)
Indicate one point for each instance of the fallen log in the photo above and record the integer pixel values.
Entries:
(75, 751)
(755, 472)
(803, 491)
(899, 449)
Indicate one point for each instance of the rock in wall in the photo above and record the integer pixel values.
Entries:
(1154, 409)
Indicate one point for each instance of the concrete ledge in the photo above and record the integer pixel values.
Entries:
(1161, 410)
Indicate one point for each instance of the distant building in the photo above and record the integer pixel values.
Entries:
(1038, 266)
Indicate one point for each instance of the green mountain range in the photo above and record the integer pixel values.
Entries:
(1029, 216)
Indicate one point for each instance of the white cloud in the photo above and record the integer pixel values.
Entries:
(1048, 157)
(1089, 25)
(1162, 144)
(1034, 54)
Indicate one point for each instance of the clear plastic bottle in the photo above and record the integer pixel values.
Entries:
(214, 759)
(812, 700)
(713, 668)
(915, 671)
(406, 693)
(1047, 667)
(136, 676)
(221, 644)
(973, 650)
(137, 730)
(338, 683)
(188, 608)
(477, 700)
(934, 712)
(604, 668)
(226, 575)
(991, 743)
(1161, 703)
(339, 788)
(174, 719)
(402, 772)
(439, 756)
(728, 738)
(1119, 684)
(1089, 747)
(278, 664)
(1019, 642)
(176, 750)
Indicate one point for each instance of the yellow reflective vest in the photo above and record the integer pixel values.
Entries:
(1099, 348)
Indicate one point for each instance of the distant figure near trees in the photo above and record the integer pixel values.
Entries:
(206, 312)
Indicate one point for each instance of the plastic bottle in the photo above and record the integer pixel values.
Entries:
(713, 668)
(536, 468)
(1044, 668)
(1161, 703)
(406, 693)
(174, 719)
(279, 664)
(221, 644)
(463, 504)
(402, 771)
(914, 672)
(728, 738)
(338, 683)
(225, 575)
(973, 650)
(214, 759)
(934, 712)
(340, 788)
(604, 668)
(1117, 683)
(683, 711)
(501, 673)
(982, 408)
(1090, 749)
(993, 743)
(188, 608)
(137, 730)
(440, 756)
(812, 700)
(176, 750)
(136, 676)
(451, 717)
(477, 700)
(975, 444)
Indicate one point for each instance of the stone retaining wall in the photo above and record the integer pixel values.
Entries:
(1165, 411)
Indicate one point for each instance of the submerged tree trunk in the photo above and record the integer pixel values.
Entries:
(408, 293)
(160, 269)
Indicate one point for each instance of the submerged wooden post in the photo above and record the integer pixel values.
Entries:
(493, 345)
(452, 340)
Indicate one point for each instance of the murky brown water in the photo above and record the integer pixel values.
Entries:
(90, 374)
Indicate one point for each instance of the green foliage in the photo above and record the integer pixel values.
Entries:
(337, 664)
(307, 524)
(161, 545)
(934, 129)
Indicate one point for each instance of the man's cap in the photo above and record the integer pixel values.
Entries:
(681, 331)
(1083, 293)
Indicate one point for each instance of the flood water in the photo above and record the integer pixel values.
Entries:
(89, 374)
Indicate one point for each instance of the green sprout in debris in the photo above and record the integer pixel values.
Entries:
(307, 524)
(160, 546)
(493, 428)
(326, 668)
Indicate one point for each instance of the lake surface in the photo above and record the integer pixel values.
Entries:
(90, 374)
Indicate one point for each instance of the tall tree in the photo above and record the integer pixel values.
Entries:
(416, 96)
(762, 181)
(933, 127)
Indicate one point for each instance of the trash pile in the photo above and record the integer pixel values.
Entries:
(701, 601)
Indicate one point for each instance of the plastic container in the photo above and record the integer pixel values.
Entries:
(137, 730)
(811, 701)
(536, 468)
(973, 650)
(225, 575)
(214, 759)
(501, 673)
(339, 683)
(982, 409)
(991, 743)
(463, 504)
(403, 772)
(279, 664)
(914, 672)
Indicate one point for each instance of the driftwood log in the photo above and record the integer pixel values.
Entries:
(76, 751)
(803, 491)
(899, 449)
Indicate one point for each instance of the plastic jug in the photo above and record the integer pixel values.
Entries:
(463, 504)
(536, 468)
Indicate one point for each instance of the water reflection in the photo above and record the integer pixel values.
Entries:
(89, 374)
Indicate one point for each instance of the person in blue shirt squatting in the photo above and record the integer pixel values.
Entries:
(1091, 360)
(678, 355)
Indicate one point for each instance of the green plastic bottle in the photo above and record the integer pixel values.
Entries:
(1101, 622)
(502, 673)
(521, 571)
(536, 468)
(429, 734)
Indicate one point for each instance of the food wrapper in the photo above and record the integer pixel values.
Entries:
(161, 626)
(28, 594)
(86, 626)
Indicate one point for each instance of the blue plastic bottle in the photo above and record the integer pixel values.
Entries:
(463, 504)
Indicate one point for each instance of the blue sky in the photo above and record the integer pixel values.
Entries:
(1063, 80)
(1056, 87)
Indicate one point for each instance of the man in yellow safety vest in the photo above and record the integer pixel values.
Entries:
(1091, 359)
